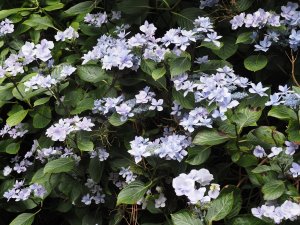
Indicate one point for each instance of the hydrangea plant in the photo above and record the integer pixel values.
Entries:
(149, 112)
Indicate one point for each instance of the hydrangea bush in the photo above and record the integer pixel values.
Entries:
(149, 112)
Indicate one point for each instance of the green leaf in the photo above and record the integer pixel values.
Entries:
(95, 169)
(243, 5)
(148, 66)
(185, 217)
(60, 165)
(179, 65)
(39, 23)
(247, 219)
(12, 148)
(92, 73)
(245, 117)
(83, 105)
(237, 199)
(255, 62)
(41, 101)
(266, 137)
(54, 7)
(283, 113)
(42, 117)
(7, 12)
(187, 102)
(210, 137)
(198, 155)
(16, 118)
(158, 73)
(261, 169)
(23, 219)
(132, 192)
(244, 38)
(80, 8)
(212, 65)
(211, 45)
(83, 141)
(220, 208)
(132, 7)
(115, 120)
(227, 50)
(247, 160)
(273, 189)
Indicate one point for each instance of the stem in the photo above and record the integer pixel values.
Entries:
(293, 60)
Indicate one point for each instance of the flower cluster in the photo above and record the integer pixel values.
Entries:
(119, 183)
(14, 131)
(28, 53)
(295, 170)
(41, 154)
(220, 89)
(287, 211)
(208, 3)
(39, 81)
(21, 193)
(194, 186)
(258, 19)
(42, 81)
(170, 146)
(159, 198)
(119, 51)
(68, 34)
(288, 18)
(6, 27)
(285, 96)
(290, 149)
(142, 102)
(98, 19)
(127, 174)
(96, 193)
(101, 153)
(60, 130)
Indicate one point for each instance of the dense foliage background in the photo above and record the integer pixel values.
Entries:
(149, 112)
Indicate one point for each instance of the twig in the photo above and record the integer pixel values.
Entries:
(293, 60)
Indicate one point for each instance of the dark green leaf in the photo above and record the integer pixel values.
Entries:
(210, 137)
(220, 208)
(283, 113)
(255, 62)
(187, 102)
(42, 117)
(179, 65)
(59, 165)
(185, 217)
(92, 73)
(132, 192)
(133, 6)
(273, 189)
(16, 118)
(244, 38)
(80, 8)
(198, 155)
(38, 22)
(7, 12)
(23, 219)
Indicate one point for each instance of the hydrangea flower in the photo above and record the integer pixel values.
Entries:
(259, 152)
(68, 34)
(60, 130)
(295, 169)
(193, 185)
(6, 27)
